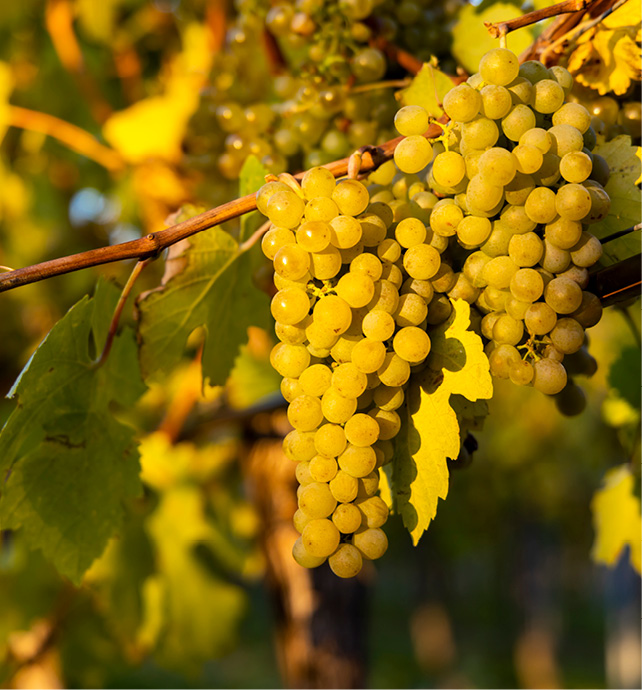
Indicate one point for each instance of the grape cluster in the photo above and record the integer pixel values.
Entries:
(519, 188)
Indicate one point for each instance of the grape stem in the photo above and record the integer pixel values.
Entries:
(502, 29)
(621, 233)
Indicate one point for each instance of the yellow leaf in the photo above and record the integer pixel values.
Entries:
(428, 89)
(616, 518)
(456, 365)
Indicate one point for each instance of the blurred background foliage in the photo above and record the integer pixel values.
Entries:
(108, 118)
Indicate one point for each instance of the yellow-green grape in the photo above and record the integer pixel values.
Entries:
(564, 139)
(517, 190)
(520, 90)
(357, 461)
(347, 518)
(534, 71)
(326, 263)
(274, 239)
(449, 168)
(303, 476)
(389, 423)
(537, 137)
(290, 389)
(587, 251)
(345, 232)
(349, 381)
(576, 166)
(290, 306)
(384, 174)
(292, 262)
(368, 355)
(305, 413)
(389, 250)
(555, 259)
(502, 359)
(289, 360)
(336, 408)
(499, 66)
(373, 229)
(413, 154)
(369, 484)
(351, 196)
(600, 202)
(423, 288)
(344, 487)
(589, 313)
(521, 373)
(411, 344)
(496, 101)
(356, 289)
(445, 217)
(300, 520)
(499, 271)
(541, 205)
(473, 231)
(394, 371)
(330, 440)
(266, 192)
(412, 310)
(315, 380)
(527, 285)
(547, 96)
(529, 158)
(320, 538)
(378, 325)
(563, 233)
(540, 318)
(346, 561)
(507, 330)
(316, 500)
(292, 333)
(497, 166)
(571, 400)
(368, 265)
(573, 202)
(299, 446)
(516, 219)
(361, 430)
(462, 103)
(318, 182)
(482, 194)
(319, 336)
(411, 120)
(549, 376)
(563, 77)
(567, 335)
(321, 208)
(342, 351)
(333, 313)
(323, 468)
(518, 121)
(313, 235)
(421, 262)
(479, 133)
(373, 510)
(302, 556)
(372, 543)
(285, 209)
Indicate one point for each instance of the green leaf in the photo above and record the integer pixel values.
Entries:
(210, 285)
(251, 380)
(430, 434)
(624, 162)
(252, 178)
(428, 89)
(471, 38)
(70, 462)
(625, 375)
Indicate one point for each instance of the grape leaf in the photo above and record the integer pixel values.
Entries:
(616, 519)
(428, 89)
(430, 434)
(252, 178)
(70, 463)
(624, 162)
(471, 38)
(211, 286)
(624, 375)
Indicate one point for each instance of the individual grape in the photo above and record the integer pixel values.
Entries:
(346, 561)
(518, 121)
(411, 344)
(573, 114)
(274, 239)
(540, 318)
(564, 139)
(369, 484)
(587, 251)
(547, 96)
(372, 543)
(445, 217)
(326, 263)
(344, 487)
(439, 310)
(389, 423)
(349, 381)
(361, 430)
(527, 285)
(600, 203)
(507, 330)
(378, 325)
(368, 355)
(315, 380)
(516, 219)
(357, 461)
(321, 208)
(520, 90)
(368, 265)
(289, 360)
(266, 192)
(413, 154)
(323, 469)
(291, 262)
(303, 557)
(299, 446)
(462, 103)
(573, 202)
(319, 336)
(412, 310)
(473, 231)
(479, 133)
(336, 408)
(373, 229)
(449, 168)
(499, 66)
(521, 373)
(351, 196)
(305, 413)
(541, 205)
(576, 166)
(345, 232)
(563, 77)
(516, 308)
(482, 194)
(589, 313)
(567, 335)
(578, 274)
(313, 236)
(554, 259)
(347, 518)
(549, 172)
(318, 182)
(502, 359)
(529, 158)
(537, 137)
(499, 271)
(320, 537)
(290, 306)
(285, 209)
(389, 398)
(517, 191)
(563, 295)
(394, 371)
(389, 250)
(350, 253)
(462, 289)
(374, 512)
(563, 233)
(571, 400)
(549, 376)
(290, 389)
(333, 313)
(534, 71)
(357, 290)
(342, 350)
(411, 120)
(300, 520)
(368, 65)
(496, 101)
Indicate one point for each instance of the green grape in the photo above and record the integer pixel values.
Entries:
(462, 103)
(299, 445)
(320, 537)
(499, 271)
(445, 217)
(576, 166)
(549, 376)
(321, 208)
(537, 137)
(378, 325)
(573, 202)
(449, 168)
(346, 561)
(421, 262)
(472, 163)
(516, 308)
(482, 194)
(344, 487)
(540, 206)
(289, 360)
(367, 265)
(293, 334)
(361, 430)
(368, 355)
(525, 250)
(507, 330)
(563, 233)
(394, 371)
(326, 263)
(315, 380)
(554, 259)
(411, 120)
(521, 373)
(329, 440)
(463, 289)
(527, 285)
(336, 408)
(547, 97)
(480, 133)
(372, 543)
(518, 121)
(389, 423)
(349, 381)
(369, 484)
(347, 518)
(567, 335)
(392, 273)
(291, 262)
(373, 229)
(357, 461)
(274, 239)
(342, 350)
(412, 310)
(534, 71)
(540, 318)
(384, 174)
(587, 251)
(303, 557)
(549, 172)
(565, 139)
(474, 266)
(499, 66)
(577, 274)
(313, 236)
(413, 154)
(497, 166)
(319, 336)
(290, 389)
(323, 469)
(356, 289)
(529, 158)
(573, 114)
(600, 203)
(516, 219)
(473, 231)
(285, 209)
(496, 101)
(305, 413)
(411, 344)
(563, 295)
(333, 313)
(374, 512)
(386, 296)
(443, 280)
(389, 250)
(563, 77)
(300, 520)
(589, 313)
(502, 359)
(351, 196)
(345, 232)
(290, 306)
(518, 189)
(368, 65)
(520, 90)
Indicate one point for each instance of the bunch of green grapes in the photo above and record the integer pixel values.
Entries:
(519, 188)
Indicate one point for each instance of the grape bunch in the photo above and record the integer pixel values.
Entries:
(519, 188)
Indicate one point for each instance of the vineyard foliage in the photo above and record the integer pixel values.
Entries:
(109, 475)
